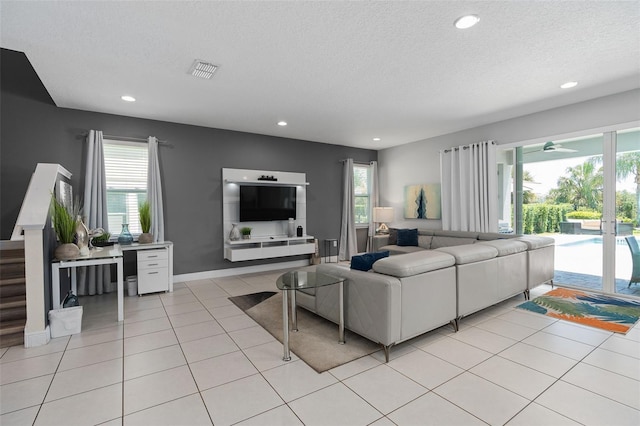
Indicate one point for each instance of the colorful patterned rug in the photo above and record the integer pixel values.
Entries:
(592, 309)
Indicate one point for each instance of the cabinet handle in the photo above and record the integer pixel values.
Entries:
(151, 273)
(155, 255)
(153, 264)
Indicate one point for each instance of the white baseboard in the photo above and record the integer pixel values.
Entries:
(239, 271)
(37, 338)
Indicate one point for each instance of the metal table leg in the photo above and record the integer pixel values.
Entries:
(294, 311)
(341, 326)
(285, 325)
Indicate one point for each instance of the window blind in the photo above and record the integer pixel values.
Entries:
(126, 165)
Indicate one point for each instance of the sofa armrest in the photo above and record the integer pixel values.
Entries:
(380, 241)
(373, 303)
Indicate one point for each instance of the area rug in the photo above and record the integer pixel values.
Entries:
(592, 309)
(315, 342)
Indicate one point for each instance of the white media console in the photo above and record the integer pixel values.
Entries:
(268, 238)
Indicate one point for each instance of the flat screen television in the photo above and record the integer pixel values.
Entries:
(262, 203)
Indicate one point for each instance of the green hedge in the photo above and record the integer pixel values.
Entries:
(539, 218)
(584, 214)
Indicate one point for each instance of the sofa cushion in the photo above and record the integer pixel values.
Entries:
(363, 262)
(442, 241)
(416, 263)
(457, 234)
(470, 253)
(506, 247)
(393, 236)
(407, 237)
(490, 236)
(424, 241)
(393, 250)
(536, 241)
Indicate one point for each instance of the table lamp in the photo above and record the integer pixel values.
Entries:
(382, 215)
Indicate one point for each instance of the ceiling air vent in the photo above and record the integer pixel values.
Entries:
(202, 69)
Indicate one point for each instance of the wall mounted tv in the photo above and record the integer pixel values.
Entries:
(264, 202)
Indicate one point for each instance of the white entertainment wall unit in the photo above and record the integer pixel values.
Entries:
(268, 238)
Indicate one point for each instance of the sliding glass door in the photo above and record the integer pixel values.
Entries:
(584, 193)
(627, 199)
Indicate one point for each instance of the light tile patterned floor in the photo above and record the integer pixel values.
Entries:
(192, 358)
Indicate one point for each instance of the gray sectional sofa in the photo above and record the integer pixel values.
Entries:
(448, 276)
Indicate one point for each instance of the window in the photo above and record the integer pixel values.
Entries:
(362, 191)
(126, 175)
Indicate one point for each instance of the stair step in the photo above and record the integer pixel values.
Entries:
(15, 339)
(13, 302)
(13, 290)
(14, 270)
(11, 254)
(13, 281)
(13, 326)
(4, 260)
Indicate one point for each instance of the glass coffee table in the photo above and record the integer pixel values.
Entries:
(298, 280)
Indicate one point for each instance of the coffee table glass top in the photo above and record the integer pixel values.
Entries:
(296, 280)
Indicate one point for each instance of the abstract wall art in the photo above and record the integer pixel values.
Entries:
(422, 201)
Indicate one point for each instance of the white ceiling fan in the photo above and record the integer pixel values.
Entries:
(551, 147)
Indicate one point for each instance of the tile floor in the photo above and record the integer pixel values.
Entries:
(192, 358)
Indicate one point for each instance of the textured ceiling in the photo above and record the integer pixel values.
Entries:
(337, 72)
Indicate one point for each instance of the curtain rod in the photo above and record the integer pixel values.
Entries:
(356, 162)
(131, 138)
(464, 147)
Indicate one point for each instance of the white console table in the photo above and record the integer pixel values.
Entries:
(155, 269)
(266, 247)
(99, 256)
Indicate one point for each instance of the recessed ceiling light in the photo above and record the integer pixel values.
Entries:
(466, 21)
(569, 85)
(282, 123)
(128, 98)
(376, 139)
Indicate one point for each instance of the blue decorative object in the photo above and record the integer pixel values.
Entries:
(408, 237)
(125, 237)
(364, 262)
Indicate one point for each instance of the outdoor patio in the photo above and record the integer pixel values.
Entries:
(578, 263)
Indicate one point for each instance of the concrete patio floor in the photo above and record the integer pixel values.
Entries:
(578, 263)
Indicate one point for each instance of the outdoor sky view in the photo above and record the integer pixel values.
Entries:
(546, 174)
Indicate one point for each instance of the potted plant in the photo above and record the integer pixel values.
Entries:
(63, 219)
(246, 233)
(101, 240)
(145, 222)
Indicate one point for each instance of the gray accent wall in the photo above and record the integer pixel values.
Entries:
(34, 130)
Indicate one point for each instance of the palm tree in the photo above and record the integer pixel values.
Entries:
(629, 164)
(582, 186)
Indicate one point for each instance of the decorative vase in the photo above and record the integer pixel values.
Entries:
(145, 238)
(82, 237)
(292, 230)
(234, 235)
(125, 237)
(66, 251)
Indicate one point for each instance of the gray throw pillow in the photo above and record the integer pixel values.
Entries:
(393, 237)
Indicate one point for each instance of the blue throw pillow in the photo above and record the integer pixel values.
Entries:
(364, 262)
(408, 237)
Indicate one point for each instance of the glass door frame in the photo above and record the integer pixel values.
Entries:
(609, 228)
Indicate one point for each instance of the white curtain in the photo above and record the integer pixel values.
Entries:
(348, 240)
(374, 200)
(94, 279)
(154, 188)
(469, 188)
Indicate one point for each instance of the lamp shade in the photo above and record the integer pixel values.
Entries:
(382, 214)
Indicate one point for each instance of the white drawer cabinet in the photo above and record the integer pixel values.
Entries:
(154, 266)
(153, 271)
